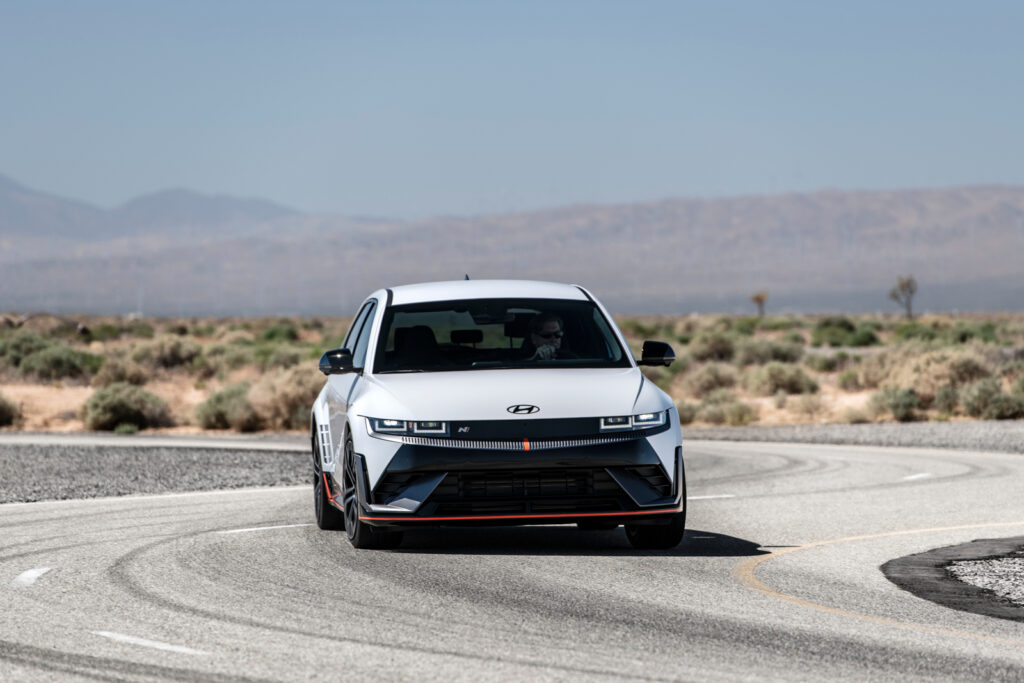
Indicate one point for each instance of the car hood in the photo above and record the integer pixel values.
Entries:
(487, 394)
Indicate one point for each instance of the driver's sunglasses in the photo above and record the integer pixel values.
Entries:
(549, 335)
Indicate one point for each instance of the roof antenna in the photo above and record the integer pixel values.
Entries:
(467, 276)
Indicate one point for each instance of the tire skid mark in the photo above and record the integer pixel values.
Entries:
(119, 575)
(671, 625)
(105, 668)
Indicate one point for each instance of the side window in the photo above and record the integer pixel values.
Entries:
(357, 323)
(363, 340)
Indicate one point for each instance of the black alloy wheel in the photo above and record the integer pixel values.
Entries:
(361, 535)
(657, 536)
(328, 517)
(660, 536)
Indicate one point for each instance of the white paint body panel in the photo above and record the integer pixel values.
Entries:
(484, 394)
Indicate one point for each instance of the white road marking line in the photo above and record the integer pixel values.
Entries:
(920, 475)
(263, 528)
(156, 645)
(29, 577)
(723, 495)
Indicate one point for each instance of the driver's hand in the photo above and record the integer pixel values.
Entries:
(546, 352)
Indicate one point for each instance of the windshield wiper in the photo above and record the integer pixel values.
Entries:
(395, 372)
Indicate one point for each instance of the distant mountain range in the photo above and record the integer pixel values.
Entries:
(184, 253)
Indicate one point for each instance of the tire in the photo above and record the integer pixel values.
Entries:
(360, 534)
(328, 517)
(657, 537)
(596, 525)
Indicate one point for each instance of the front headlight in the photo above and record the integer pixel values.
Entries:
(403, 427)
(627, 422)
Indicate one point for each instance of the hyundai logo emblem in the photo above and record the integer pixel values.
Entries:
(522, 409)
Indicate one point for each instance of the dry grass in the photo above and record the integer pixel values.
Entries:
(184, 361)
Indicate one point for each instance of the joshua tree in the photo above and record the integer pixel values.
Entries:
(759, 298)
(903, 294)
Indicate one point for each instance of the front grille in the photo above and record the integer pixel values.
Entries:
(537, 491)
(519, 444)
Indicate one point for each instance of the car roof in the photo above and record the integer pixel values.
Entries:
(484, 289)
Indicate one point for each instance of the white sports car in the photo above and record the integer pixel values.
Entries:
(494, 402)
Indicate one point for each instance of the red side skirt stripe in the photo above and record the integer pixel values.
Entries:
(576, 515)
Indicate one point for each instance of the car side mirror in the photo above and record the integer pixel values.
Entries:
(336, 361)
(657, 353)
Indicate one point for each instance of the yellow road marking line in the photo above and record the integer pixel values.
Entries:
(744, 572)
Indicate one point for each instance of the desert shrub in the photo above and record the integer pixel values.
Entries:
(962, 333)
(714, 346)
(229, 409)
(60, 361)
(761, 351)
(832, 331)
(746, 326)
(687, 412)
(712, 414)
(9, 412)
(1018, 387)
(781, 399)
(862, 336)
(773, 377)
(794, 338)
(778, 323)
(123, 403)
(237, 337)
(967, 367)
(21, 344)
(901, 403)
(719, 396)
(946, 399)
(104, 332)
(848, 380)
(284, 357)
(140, 329)
(808, 405)
(710, 376)
(168, 351)
(827, 363)
(914, 365)
(916, 331)
(126, 428)
(985, 399)
(977, 397)
(224, 357)
(738, 413)
(280, 332)
(1004, 407)
(283, 398)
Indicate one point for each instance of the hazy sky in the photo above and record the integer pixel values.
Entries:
(418, 108)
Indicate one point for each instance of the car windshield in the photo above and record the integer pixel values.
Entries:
(496, 333)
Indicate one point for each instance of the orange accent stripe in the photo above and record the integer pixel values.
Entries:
(327, 488)
(553, 516)
(526, 444)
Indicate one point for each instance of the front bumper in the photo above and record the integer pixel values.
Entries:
(616, 482)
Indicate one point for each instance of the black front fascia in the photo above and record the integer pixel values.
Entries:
(410, 458)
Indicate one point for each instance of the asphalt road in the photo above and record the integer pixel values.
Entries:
(778, 578)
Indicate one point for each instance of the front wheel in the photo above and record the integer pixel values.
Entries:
(657, 537)
(361, 534)
(328, 517)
